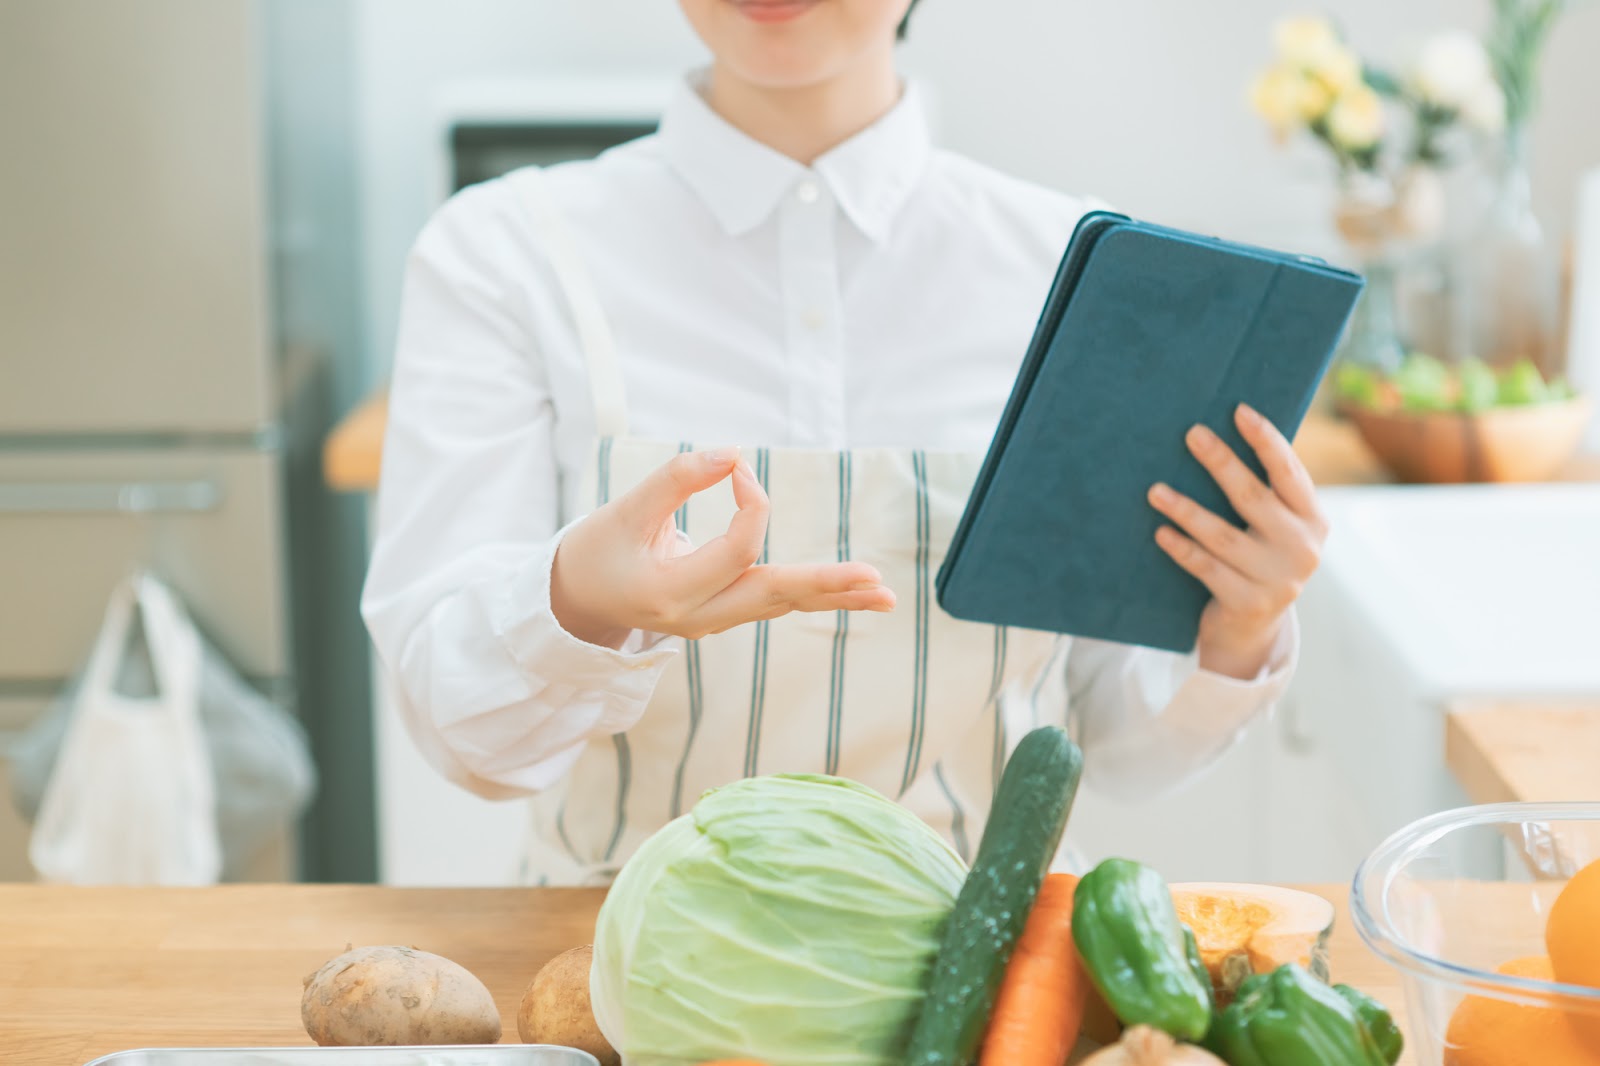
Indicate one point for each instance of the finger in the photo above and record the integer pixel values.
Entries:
(878, 601)
(1289, 477)
(716, 564)
(768, 591)
(669, 486)
(1256, 503)
(1231, 588)
(880, 598)
(1234, 546)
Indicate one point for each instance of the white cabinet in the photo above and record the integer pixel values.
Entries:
(15, 716)
(431, 832)
(1212, 828)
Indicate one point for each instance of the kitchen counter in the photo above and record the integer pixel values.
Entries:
(1330, 449)
(1525, 752)
(87, 972)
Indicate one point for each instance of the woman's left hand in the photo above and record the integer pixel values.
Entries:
(1254, 574)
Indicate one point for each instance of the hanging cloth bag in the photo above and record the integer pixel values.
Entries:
(130, 799)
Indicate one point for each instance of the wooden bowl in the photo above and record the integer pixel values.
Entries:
(1501, 444)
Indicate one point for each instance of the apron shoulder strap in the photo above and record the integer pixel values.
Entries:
(594, 333)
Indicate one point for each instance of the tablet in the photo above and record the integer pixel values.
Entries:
(1146, 331)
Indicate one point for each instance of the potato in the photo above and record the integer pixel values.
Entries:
(391, 996)
(555, 1008)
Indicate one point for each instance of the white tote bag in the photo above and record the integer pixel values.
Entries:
(130, 800)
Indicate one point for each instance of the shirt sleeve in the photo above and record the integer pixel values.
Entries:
(1149, 720)
(496, 694)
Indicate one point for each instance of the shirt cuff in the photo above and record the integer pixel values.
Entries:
(1210, 704)
(529, 630)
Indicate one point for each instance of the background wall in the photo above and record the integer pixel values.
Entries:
(1140, 103)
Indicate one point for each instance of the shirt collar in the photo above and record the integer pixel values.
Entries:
(742, 181)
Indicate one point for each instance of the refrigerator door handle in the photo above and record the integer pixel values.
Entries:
(125, 497)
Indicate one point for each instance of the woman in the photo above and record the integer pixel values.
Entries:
(787, 266)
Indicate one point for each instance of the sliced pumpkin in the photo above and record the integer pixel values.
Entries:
(1246, 929)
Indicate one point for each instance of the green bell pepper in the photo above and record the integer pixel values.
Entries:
(1140, 956)
(1379, 1024)
(1289, 1018)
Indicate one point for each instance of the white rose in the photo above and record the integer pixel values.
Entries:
(1485, 108)
(1355, 122)
(1450, 69)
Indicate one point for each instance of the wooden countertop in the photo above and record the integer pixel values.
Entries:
(88, 972)
(1331, 450)
(1525, 752)
(353, 453)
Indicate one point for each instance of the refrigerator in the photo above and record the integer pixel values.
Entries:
(161, 392)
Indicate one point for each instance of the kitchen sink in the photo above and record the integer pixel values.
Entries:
(1427, 599)
(1477, 589)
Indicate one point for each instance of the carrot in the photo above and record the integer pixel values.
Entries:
(1040, 1008)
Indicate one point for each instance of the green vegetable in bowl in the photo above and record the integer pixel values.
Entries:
(1480, 390)
(1425, 384)
(1357, 384)
(788, 919)
(1522, 384)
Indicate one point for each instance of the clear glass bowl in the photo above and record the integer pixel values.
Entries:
(1449, 899)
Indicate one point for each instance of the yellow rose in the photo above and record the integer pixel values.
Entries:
(1315, 98)
(1304, 37)
(1336, 67)
(1356, 120)
(1276, 97)
(1311, 44)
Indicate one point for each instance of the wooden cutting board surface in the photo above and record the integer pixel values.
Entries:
(86, 972)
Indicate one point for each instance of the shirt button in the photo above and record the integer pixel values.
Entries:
(814, 320)
(808, 192)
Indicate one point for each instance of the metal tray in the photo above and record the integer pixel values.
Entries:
(462, 1055)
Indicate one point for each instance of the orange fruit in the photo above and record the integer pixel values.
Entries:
(1492, 1032)
(1572, 932)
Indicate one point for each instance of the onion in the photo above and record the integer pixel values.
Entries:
(1144, 1046)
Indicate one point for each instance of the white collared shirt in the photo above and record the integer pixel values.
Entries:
(884, 296)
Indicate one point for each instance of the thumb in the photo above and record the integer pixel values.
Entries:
(669, 486)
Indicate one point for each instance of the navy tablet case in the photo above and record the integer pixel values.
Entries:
(1147, 330)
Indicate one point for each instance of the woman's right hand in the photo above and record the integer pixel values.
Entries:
(625, 567)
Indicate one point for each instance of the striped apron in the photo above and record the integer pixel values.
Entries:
(915, 704)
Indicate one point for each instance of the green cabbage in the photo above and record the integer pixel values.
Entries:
(791, 919)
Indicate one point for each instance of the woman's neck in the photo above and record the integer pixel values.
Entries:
(804, 123)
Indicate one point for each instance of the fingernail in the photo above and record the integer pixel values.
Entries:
(720, 457)
(866, 586)
(1249, 415)
(1201, 437)
(1160, 493)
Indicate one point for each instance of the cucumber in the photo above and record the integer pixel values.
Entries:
(1024, 829)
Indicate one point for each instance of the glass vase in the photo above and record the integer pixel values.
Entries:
(1506, 294)
(1374, 337)
(1380, 220)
